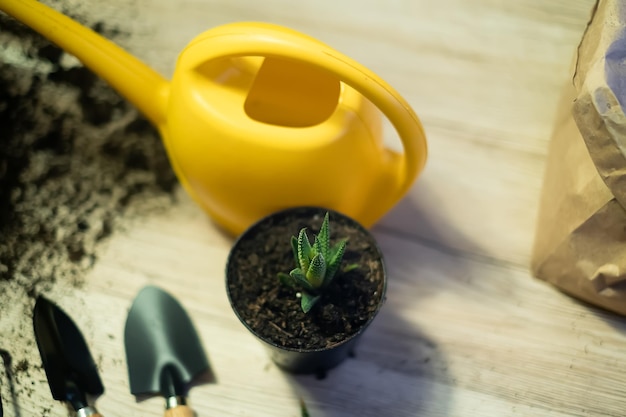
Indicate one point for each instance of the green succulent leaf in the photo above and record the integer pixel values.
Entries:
(303, 409)
(307, 301)
(316, 264)
(304, 250)
(322, 241)
(341, 245)
(335, 261)
(286, 279)
(300, 279)
(294, 249)
(317, 271)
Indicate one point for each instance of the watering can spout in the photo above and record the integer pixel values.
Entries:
(137, 82)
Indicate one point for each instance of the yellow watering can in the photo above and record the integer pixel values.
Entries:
(258, 118)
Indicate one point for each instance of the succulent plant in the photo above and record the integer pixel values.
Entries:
(316, 264)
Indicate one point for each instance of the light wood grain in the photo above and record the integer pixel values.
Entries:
(466, 331)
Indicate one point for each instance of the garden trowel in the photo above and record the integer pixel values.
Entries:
(163, 351)
(71, 371)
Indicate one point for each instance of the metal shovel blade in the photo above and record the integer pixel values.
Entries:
(163, 350)
(70, 369)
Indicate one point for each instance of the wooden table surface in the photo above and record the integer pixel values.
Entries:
(466, 330)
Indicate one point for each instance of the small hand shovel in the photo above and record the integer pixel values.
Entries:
(71, 371)
(163, 351)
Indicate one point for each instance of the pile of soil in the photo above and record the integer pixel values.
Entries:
(75, 160)
(272, 310)
(77, 163)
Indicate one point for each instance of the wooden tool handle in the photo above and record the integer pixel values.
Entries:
(179, 411)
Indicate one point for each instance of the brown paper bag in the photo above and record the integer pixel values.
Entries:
(580, 244)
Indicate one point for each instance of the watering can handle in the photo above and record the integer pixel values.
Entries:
(261, 39)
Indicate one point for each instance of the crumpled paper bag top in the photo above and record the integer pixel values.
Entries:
(581, 228)
(600, 80)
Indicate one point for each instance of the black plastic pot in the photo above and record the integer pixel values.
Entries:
(289, 358)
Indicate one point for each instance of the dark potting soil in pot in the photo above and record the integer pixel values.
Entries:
(273, 311)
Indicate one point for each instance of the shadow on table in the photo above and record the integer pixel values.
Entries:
(398, 370)
(8, 370)
(614, 320)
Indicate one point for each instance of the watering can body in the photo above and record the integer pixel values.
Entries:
(282, 134)
(247, 168)
(258, 118)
